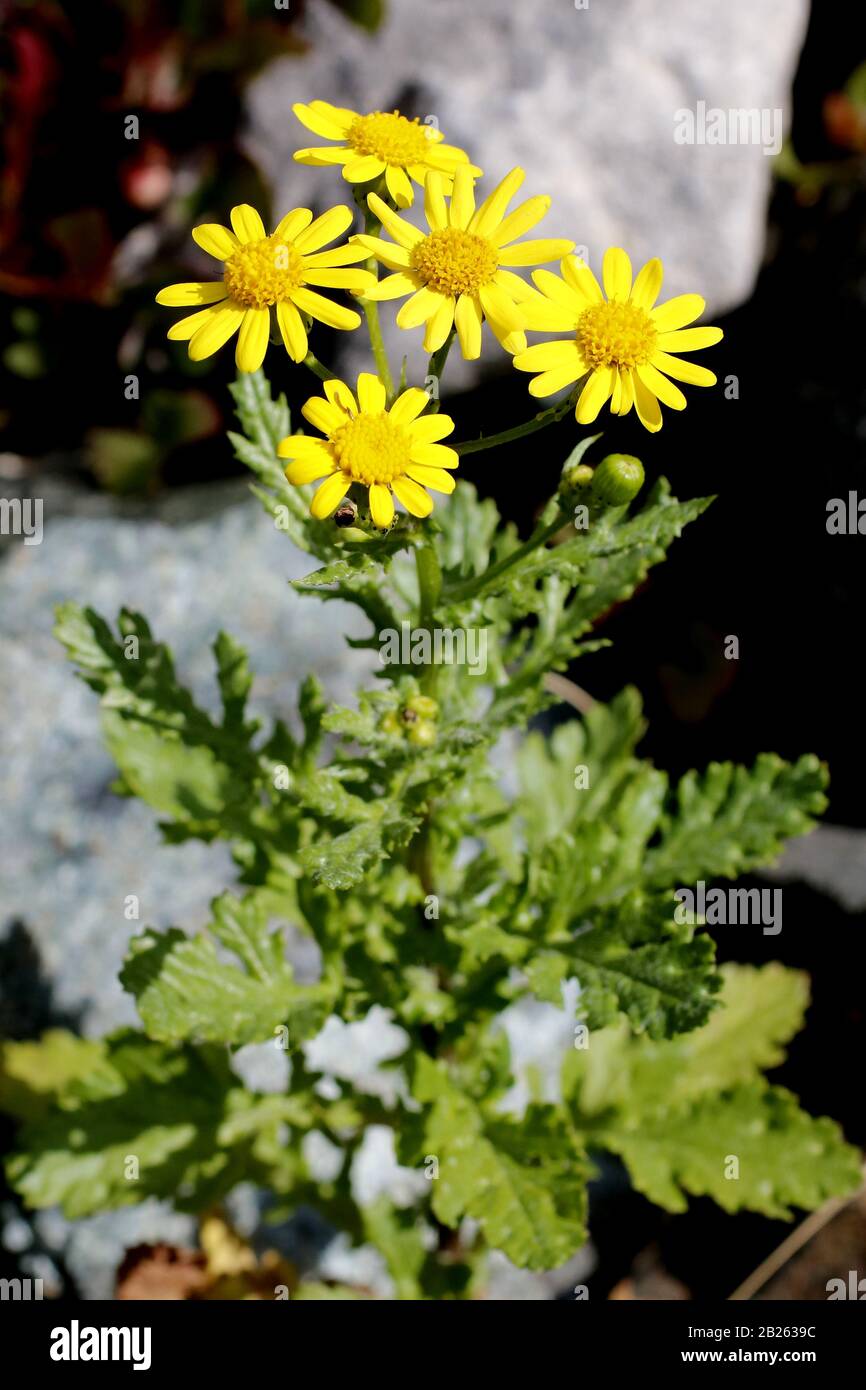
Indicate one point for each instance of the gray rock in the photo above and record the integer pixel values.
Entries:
(585, 99)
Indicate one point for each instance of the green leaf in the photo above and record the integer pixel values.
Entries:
(149, 1121)
(730, 819)
(34, 1074)
(759, 1010)
(632, 959)
(398, 1236)
(678, 1112)
(784, 1158)
(185, 991)
(524, 1183)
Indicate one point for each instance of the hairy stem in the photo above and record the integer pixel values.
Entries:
(372, 227)
(538, 422)
(459, 593)
(435, 368)
(318, 368)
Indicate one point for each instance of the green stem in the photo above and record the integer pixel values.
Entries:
(318, 368)
(429, 590)
(540, 536)
(538, 422)
(372, 226)
(435, 368)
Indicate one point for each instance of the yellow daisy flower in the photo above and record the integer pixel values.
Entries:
(262, 273)
(382, 142)
(622, 341)
(457, 272)
(393, 450)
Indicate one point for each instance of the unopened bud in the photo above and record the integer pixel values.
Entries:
(618, 479)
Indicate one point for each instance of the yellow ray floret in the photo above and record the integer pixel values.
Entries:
(382, 142)
(268, 276)
(457, 273)
(394, 450)
(618, 337)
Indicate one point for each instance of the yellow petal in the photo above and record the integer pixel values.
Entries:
(594, 394)
(462, 198)
(352, 278)
(338, 394)
(326, 228)
(363, 168)
(553, 380)
(426, 429)
(676, 313)
(616, 273)
(421, 307)
(320, 122)
(183, 330)
(252, 341)
(193, 292)
(543, 357)
(579, 276)
(393, 287)
(325, 310)
(532, 252)
(409, 405)
(521, 220)
(321, 156)
(467, 317)
(515, 287)
(645, 290)
(683, 370)
(399, 186)
(402, 231)
(497, 305)
(329, 496)
(219, 328)
(626, 391)
(647, 407)
(492, 210)
(393, 256)
(293, 332)
(381, 505)
(216, 240)
(437, 478)
(307, 470)
(547, 317)
(247, 223)
(434, 455)
(293, 223)
(689, 339)
(413, 496)
(561, 292)
(434, 202)
(300, 446)
(440, 325)
(347, 254)
(661, 387)
(322, 415)
(371, 393)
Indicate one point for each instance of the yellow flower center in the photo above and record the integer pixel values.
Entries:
(452, 261)
(613, 334)
(263, 272)
(371, 449)
(391, 137)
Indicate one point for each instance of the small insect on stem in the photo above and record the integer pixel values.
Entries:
(346, 514)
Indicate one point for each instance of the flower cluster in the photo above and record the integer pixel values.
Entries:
(454, 273)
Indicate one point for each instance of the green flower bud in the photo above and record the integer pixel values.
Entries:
(390, 724)
(423, 706)
(618, 479)
(423, 733)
